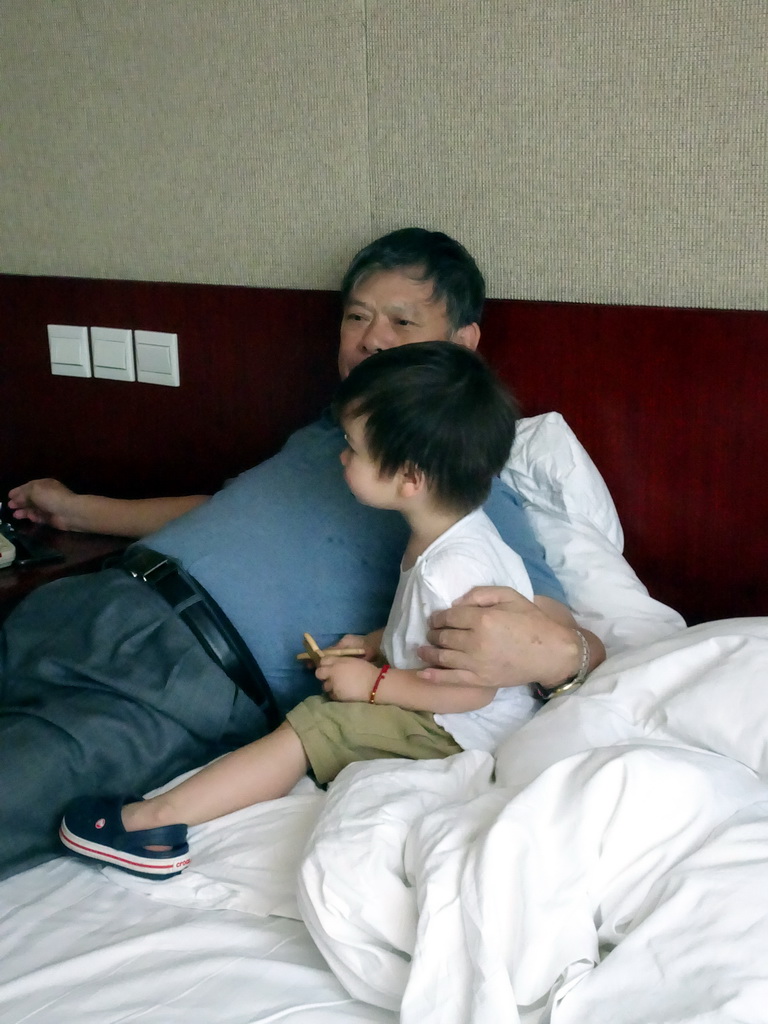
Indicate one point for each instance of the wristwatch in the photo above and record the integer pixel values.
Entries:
(570, 684)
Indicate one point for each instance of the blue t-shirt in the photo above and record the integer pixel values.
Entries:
(285, 549)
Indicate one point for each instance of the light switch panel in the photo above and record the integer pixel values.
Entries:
(70, 354)
(157, 358)
(112, 352)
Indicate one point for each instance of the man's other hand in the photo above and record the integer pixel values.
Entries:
(44, 501)
(493, 636)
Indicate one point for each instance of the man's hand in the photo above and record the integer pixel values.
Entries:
(493, 636)
(44, 501)
(50, 502)
(347, 679)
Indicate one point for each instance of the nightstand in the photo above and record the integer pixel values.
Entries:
(83, 552)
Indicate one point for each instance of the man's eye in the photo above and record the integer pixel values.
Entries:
(404, 323)
(354, 316)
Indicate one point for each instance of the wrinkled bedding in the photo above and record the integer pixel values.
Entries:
(612, 869)
(610, 865)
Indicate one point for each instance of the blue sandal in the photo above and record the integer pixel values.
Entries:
(92, 827)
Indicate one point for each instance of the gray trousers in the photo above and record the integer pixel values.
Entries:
(102, 690)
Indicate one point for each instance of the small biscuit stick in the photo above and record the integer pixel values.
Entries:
(314, 653)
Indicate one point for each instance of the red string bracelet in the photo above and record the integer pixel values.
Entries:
(379, 677)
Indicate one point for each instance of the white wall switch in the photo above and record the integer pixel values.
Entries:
(112, 353)
(157, 358)
(70, 354)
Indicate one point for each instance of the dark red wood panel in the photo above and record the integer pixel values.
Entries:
(670, 403)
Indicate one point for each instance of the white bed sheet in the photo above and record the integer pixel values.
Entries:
(220, 944)
(614, 869)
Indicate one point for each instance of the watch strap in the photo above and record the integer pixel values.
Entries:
(570, 684)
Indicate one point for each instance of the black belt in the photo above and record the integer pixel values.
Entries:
(197, 609)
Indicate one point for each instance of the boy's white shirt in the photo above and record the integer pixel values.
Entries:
(469, 554)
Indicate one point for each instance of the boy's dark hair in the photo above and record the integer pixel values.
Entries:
(438, 407)
(428, 256)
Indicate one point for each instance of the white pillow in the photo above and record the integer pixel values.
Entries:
(575, 520)
(550, 469)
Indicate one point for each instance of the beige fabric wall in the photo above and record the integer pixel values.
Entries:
(217, 141)
(591, 151)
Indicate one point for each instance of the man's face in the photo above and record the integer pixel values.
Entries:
(391, 308)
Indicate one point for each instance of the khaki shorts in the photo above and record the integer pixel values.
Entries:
(337, 733)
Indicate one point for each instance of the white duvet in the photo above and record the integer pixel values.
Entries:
(616, 869)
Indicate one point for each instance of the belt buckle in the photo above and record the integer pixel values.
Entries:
(157, 572)
(149, 574)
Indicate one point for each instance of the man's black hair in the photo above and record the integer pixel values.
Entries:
(438, 407)
(427, 256)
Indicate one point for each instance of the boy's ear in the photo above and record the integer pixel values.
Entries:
(412, 481)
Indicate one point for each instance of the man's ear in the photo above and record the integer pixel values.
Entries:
(468, 336)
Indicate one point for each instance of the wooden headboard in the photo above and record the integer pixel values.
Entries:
(669, 403)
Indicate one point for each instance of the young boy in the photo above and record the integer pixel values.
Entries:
(427, 427)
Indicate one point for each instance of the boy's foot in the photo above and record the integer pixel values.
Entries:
(93, 827)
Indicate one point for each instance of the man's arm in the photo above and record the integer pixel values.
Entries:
(495, 637)
(49, 501)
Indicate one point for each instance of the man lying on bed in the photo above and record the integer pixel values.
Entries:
(102, 679)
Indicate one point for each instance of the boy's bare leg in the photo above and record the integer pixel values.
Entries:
(264, 770)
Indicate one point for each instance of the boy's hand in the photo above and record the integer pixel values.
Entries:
(347, 679)
(370, 642)
(351, 640)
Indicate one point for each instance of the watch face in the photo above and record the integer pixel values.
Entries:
(556, 691)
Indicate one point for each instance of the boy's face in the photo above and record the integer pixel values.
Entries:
(362, 473)
(388, 309)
